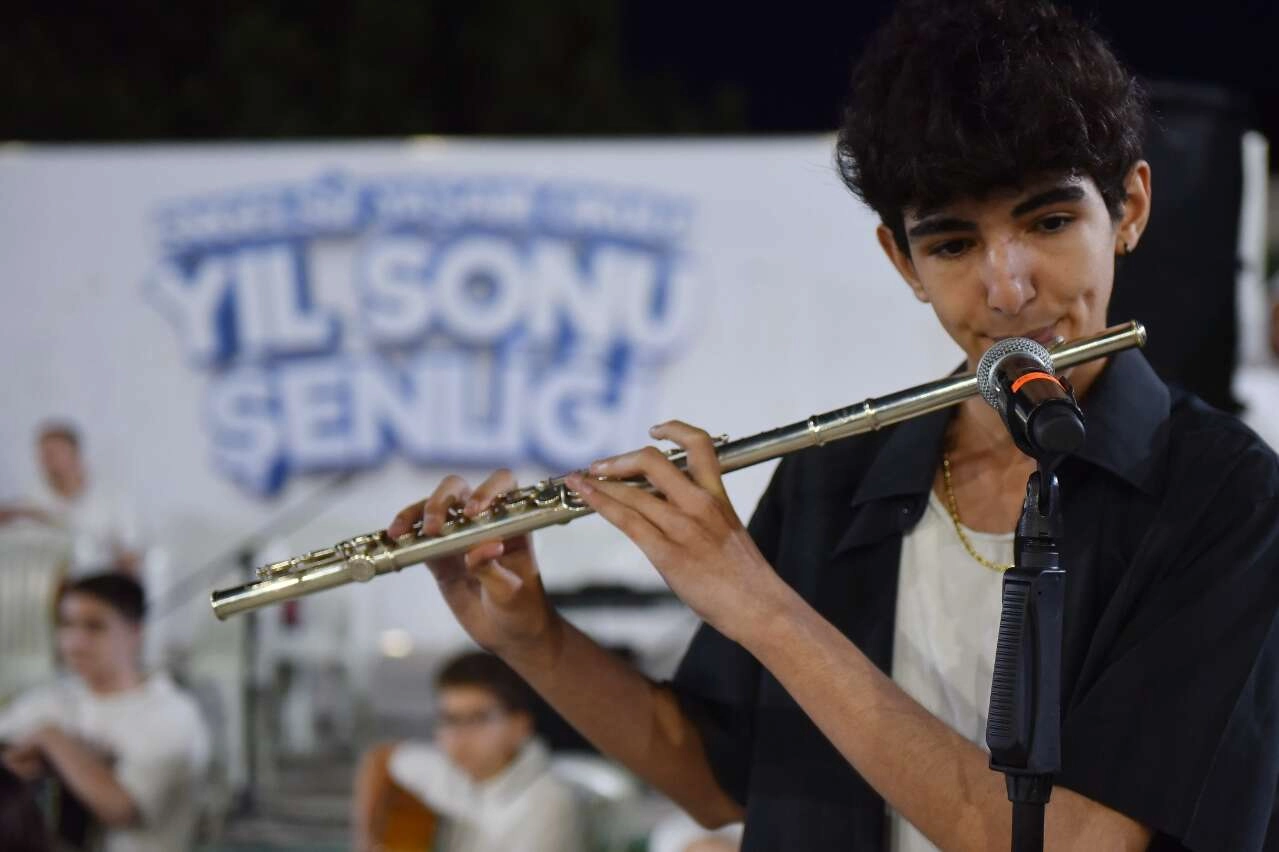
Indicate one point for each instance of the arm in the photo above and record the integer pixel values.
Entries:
(934, 777)
(938, 780)
(496, 594)
(17, 512)
(629, 718)
(88, 777)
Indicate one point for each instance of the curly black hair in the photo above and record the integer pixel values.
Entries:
(960, 98)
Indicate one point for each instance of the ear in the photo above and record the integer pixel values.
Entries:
(135, 637)
(1136, 210)
(901, 261)
(524, 725)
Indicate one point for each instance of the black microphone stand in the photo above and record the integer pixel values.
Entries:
(1023, 730)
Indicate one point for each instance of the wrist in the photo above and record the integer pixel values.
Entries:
(771, 623)
(539, 653)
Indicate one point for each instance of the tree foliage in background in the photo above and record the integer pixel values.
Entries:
(144, 69)
(254, 69)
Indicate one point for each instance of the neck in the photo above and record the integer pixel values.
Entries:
(70, 485)
(108, 683)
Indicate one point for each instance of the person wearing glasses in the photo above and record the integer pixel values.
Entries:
(486, 776)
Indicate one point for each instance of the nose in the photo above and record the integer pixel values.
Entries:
(1006, 277)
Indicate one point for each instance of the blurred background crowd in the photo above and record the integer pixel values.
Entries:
(162, 434)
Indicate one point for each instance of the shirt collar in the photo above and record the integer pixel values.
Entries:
(530, 763)
(1123, 413)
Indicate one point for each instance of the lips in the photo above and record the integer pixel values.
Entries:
(1045, 335)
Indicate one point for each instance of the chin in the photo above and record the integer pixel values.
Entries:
(84, 671)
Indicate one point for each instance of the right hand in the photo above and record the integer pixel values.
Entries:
(494, 589)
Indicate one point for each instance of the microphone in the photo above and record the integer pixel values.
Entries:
(1016, 377)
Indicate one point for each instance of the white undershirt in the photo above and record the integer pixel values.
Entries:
(946, 626)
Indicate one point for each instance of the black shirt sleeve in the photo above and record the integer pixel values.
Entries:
(717, 680)
(1178, 726)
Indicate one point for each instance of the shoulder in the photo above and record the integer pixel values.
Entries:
(169, 720)
(1216, 455)
(167, 697)
(36, 706)
(414, 761)
(552, 797)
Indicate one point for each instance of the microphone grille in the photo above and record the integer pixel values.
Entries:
(994, 355)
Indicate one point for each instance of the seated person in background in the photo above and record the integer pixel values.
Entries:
(487, 776)
(101, 524)
(130, 747)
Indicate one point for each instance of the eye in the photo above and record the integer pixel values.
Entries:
(950, 249)
(1054, 223)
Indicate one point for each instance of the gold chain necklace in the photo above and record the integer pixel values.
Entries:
(959, 529)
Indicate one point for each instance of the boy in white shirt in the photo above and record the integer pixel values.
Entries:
(486, 775)
(130, 747)
(100, 522)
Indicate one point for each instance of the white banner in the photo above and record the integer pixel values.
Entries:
(231, 325)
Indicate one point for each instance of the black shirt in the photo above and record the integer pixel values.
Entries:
(1170, 690)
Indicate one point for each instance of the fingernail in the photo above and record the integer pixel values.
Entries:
(579, 483)
(600, 466)
(472, 506)
(654, 430)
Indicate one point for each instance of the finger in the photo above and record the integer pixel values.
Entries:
(702, 461)
(452, 491)
(499, 482)
(639, 529)
(405, 518)
(516, 555)
(673, 522)
(652, 464)
(499, 582)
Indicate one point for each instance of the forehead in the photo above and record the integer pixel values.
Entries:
(79, 605)
(56, 439)
(469, 696)
(1005, 199)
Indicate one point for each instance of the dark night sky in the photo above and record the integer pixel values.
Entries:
(141, 69)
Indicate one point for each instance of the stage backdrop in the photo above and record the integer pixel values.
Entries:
(233, 326)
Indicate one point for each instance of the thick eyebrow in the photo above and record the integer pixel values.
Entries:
(1056, 195)
(940, 225)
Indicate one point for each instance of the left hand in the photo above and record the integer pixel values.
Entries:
(26, 758)
(690, 533)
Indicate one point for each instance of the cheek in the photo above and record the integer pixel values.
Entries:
(75, 640)
(956, 309)
(1088, 285)
(1086, 272)
(453, 746)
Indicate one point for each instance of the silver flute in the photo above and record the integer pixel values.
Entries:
(551, 501)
